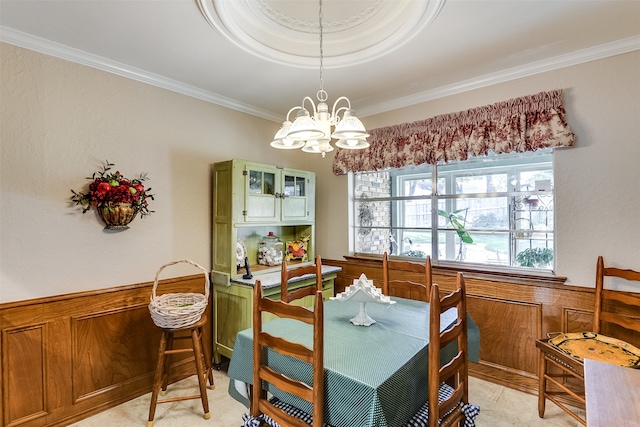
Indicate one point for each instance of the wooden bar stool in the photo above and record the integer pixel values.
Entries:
(203, 370)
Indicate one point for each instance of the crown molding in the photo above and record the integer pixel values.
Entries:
(47, 47)
(606, 50)
(27, 41)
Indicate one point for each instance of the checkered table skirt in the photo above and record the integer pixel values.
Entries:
(420, 419)
(249, 421)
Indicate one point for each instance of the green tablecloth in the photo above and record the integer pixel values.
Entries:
(374, 376)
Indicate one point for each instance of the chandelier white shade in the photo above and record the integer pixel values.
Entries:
(281, 141)
(312, 132)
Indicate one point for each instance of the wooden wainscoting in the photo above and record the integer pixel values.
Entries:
(511, 311)
(67, 357)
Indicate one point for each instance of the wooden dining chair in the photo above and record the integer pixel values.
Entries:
(287, 274)
(402, 285)
(448, 384)
(272, 411)
(561, 372)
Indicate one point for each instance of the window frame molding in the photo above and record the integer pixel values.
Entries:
(398, 178)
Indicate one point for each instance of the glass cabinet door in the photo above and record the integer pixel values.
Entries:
(261, 182)
(294, 186)
(294, 196)
(262, 202)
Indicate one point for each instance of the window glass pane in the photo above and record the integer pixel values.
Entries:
(261, 182)
(372, 227)
(534, 179)
(535, 254)
(481, 183)
(300, 187)
(413, 243)
(417, 187)
(255, 182)
(486, 248)
(269, 183)
(294, 186)
(489, 213)
(414, 213)
(372, 184)
(451, 247)
(474, 212)
(373, 214)
(533, 230)
(289, 185)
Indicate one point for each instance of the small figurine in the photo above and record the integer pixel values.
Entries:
(248, 274)
(298, 249)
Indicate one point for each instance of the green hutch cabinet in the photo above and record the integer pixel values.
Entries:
(252, 200)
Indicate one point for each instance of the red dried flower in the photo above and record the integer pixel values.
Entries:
(108, 188)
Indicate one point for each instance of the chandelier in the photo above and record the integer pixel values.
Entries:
(312, 133)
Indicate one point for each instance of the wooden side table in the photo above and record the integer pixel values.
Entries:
(612, 394)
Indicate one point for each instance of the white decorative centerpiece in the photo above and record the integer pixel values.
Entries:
(363, 291)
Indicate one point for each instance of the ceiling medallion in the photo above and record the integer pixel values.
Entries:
(286, 32)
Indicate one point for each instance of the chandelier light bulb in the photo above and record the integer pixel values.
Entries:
(311, 147)
(318, 147)
(352, 144)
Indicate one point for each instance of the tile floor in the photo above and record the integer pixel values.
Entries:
(499, 407)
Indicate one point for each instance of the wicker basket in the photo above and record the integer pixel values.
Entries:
(172, 311)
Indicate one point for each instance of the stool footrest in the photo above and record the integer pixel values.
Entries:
(179, 398)
(179, 350)
(201, 357)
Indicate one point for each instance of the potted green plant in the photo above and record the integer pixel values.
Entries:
(458, 222)
(535, 257)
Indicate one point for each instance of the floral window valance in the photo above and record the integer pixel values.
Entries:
(522, 124)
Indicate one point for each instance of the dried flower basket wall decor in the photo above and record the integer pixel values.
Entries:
(177, 310)
(118, 215)
(116, 198)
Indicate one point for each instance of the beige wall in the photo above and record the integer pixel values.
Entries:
(59, 121)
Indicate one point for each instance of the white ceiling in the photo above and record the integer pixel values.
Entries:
(262, 56)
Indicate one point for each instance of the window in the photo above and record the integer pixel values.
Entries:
(495, 210)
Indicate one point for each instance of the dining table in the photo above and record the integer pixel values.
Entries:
(375, 376)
